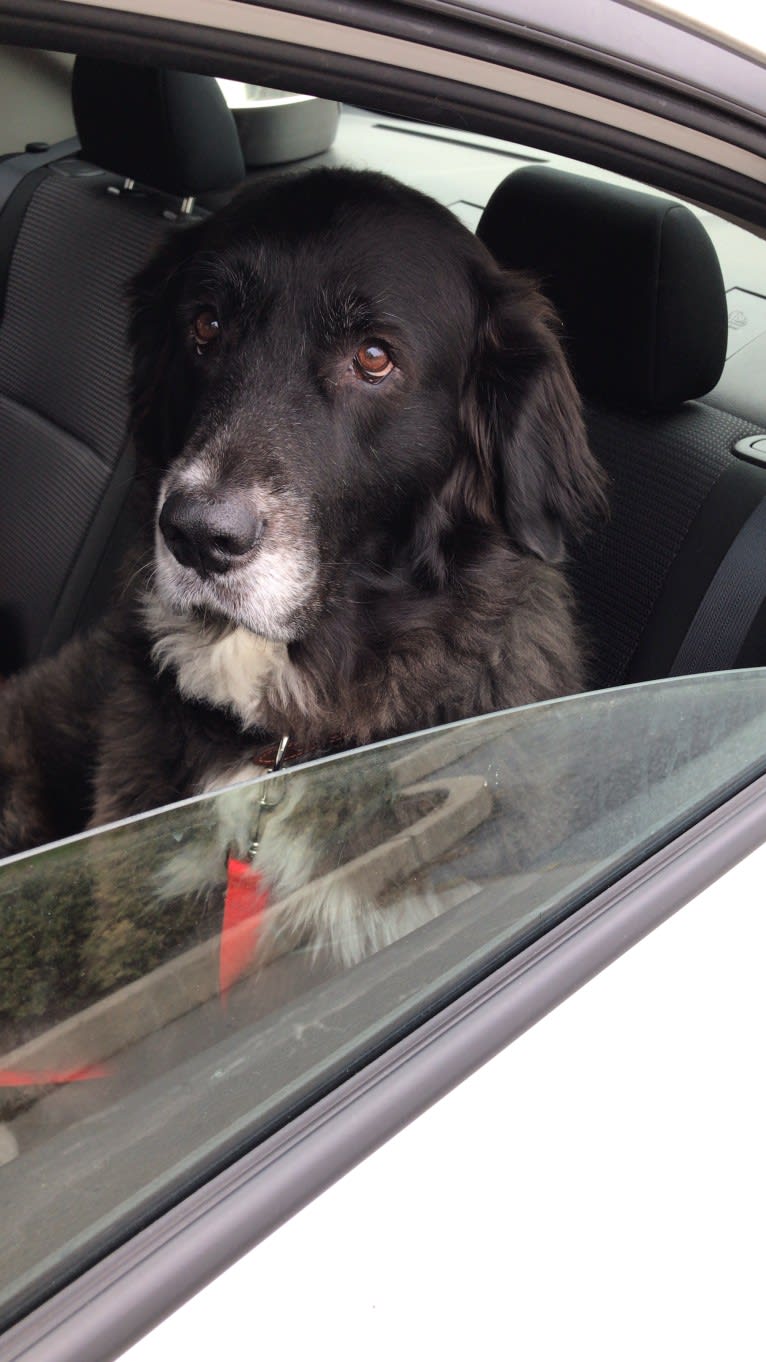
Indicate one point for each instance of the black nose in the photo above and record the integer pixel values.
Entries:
(209, 533)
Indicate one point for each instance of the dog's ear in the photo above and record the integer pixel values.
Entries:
(524, 419)
(160, 392)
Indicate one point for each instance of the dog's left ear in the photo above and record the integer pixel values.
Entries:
(523, 415)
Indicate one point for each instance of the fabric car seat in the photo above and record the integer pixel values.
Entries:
(74, 229)
(636, 281)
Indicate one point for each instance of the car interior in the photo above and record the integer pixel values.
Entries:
(663, 310)
(650, 292)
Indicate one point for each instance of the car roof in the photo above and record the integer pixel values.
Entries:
(666, 40)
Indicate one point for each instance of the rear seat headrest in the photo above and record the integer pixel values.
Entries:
(168, 129)
(635, 278)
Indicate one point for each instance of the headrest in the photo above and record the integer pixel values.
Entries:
(634, 277)
(168, 129)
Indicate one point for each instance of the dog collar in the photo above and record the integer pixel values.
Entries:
(286, 750)
(273, 757)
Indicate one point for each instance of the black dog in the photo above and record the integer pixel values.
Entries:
(360, 455)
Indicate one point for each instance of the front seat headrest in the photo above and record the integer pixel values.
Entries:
(635, 278)
(168, 129)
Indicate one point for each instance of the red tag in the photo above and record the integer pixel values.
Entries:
(246, 899)
(30, 1078)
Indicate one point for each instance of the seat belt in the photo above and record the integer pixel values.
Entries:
(19, 177)
(106, 539)
(13, 169)
(726, 612)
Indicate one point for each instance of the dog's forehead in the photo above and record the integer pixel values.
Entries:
(341, 234)
(341, 202)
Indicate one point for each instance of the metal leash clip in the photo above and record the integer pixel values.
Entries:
(265, 804)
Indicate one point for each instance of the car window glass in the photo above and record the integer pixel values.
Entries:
(154, 1025)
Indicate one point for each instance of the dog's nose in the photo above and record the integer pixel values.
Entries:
(208, 533)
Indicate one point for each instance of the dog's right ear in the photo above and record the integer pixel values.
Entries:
(523, 416)
(160, 390)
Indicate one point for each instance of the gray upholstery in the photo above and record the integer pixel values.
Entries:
(63, 389)
(661, 472)
(45, 508)
(635, 278)
(645, 323)
(62, 345)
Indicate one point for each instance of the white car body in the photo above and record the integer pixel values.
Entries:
(596, 1190)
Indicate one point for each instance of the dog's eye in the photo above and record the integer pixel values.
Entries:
(372, 361)
(205, 328)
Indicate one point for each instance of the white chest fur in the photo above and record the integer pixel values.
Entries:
(233, 671)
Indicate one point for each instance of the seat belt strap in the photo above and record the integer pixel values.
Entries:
(19, 178)
(720, 626)
(15, 168)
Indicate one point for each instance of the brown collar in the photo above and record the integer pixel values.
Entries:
(286, 750)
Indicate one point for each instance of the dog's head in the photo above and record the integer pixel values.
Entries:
(324, 363)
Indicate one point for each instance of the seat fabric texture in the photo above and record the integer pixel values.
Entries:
(64, 372)
(637, 284)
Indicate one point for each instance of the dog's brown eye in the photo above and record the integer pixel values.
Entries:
(205, 328)
(372, 361)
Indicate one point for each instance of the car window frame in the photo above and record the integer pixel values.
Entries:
(435, 72)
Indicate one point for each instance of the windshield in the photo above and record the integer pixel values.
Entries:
(167, 997)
